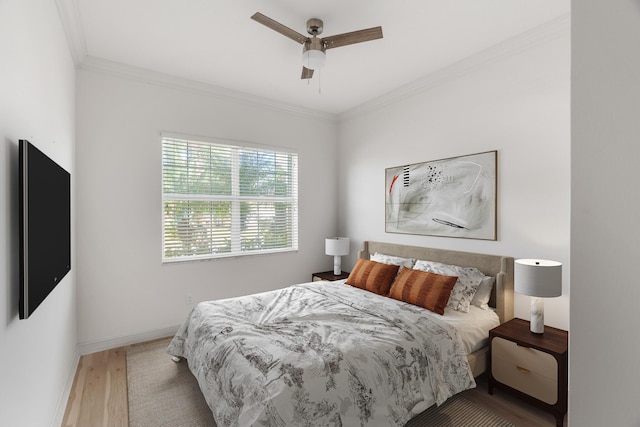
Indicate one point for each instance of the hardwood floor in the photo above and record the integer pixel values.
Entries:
(508, 407)
(99, 396)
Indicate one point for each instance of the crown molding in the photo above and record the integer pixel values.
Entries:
(99, 65)
(542, 34)
(70, 18)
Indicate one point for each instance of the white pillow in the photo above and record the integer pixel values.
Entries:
(393, 260)
(483, 294)
(469, 279)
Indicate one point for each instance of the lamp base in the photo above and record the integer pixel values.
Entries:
(337, 265)
(537, 315)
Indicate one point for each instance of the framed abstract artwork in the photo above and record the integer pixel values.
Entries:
(454, 197)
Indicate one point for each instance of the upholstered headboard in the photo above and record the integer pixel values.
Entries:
(501, 267)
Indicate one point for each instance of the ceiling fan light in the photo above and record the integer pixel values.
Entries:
(313, 59)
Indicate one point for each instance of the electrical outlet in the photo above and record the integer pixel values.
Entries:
(189, 300)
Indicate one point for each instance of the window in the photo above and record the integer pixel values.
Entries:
(221, 199)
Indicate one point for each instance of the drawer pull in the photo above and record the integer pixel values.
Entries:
(523, 370)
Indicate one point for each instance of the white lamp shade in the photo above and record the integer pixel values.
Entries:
(538, 278)
(313, 59)
(336, 246)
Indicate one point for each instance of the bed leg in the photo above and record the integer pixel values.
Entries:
(176, 359)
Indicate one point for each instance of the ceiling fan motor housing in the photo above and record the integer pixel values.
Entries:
(314, 43)
(315, 26)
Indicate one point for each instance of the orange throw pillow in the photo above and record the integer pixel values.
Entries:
(428, 290)
(373, 276)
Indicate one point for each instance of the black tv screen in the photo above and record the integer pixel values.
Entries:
(45, 223)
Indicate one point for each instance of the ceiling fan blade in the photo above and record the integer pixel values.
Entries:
(353, 37)
(276, 26)
(306, 73)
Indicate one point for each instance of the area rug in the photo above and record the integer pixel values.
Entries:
(165, 394)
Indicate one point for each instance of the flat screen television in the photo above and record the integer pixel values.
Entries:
(45, 226)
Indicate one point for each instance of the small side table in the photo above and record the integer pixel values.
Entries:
(533, 367)
(328, 275)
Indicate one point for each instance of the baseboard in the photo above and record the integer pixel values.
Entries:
(107, 344)
(66, 392)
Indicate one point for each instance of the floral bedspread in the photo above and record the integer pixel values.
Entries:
(320, 355)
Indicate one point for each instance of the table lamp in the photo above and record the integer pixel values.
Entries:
(336, 246)
(538, 279)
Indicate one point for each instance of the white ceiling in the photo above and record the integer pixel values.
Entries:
(215, 42)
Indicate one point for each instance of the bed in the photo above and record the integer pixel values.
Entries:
(332, 354)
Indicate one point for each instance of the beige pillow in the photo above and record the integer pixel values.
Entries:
(424, 289)
(392, 259)
(372, 276)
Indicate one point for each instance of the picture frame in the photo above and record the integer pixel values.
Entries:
(452, 197)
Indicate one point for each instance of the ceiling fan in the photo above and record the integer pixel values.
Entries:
(313, 50)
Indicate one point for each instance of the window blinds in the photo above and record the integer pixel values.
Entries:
(223, 200)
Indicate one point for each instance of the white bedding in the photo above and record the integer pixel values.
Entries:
(472, 327)
(321, 354)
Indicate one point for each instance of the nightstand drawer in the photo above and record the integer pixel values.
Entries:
(530, 358)
(525, 369)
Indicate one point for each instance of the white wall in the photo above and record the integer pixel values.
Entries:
(605, 235)
(123, 289)
(37, 102)
(517, 104)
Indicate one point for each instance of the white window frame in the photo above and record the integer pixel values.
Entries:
(235, 198)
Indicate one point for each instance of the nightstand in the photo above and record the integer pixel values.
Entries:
(533, 367)
(328, 275)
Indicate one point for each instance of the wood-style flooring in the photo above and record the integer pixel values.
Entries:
(98, 397)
